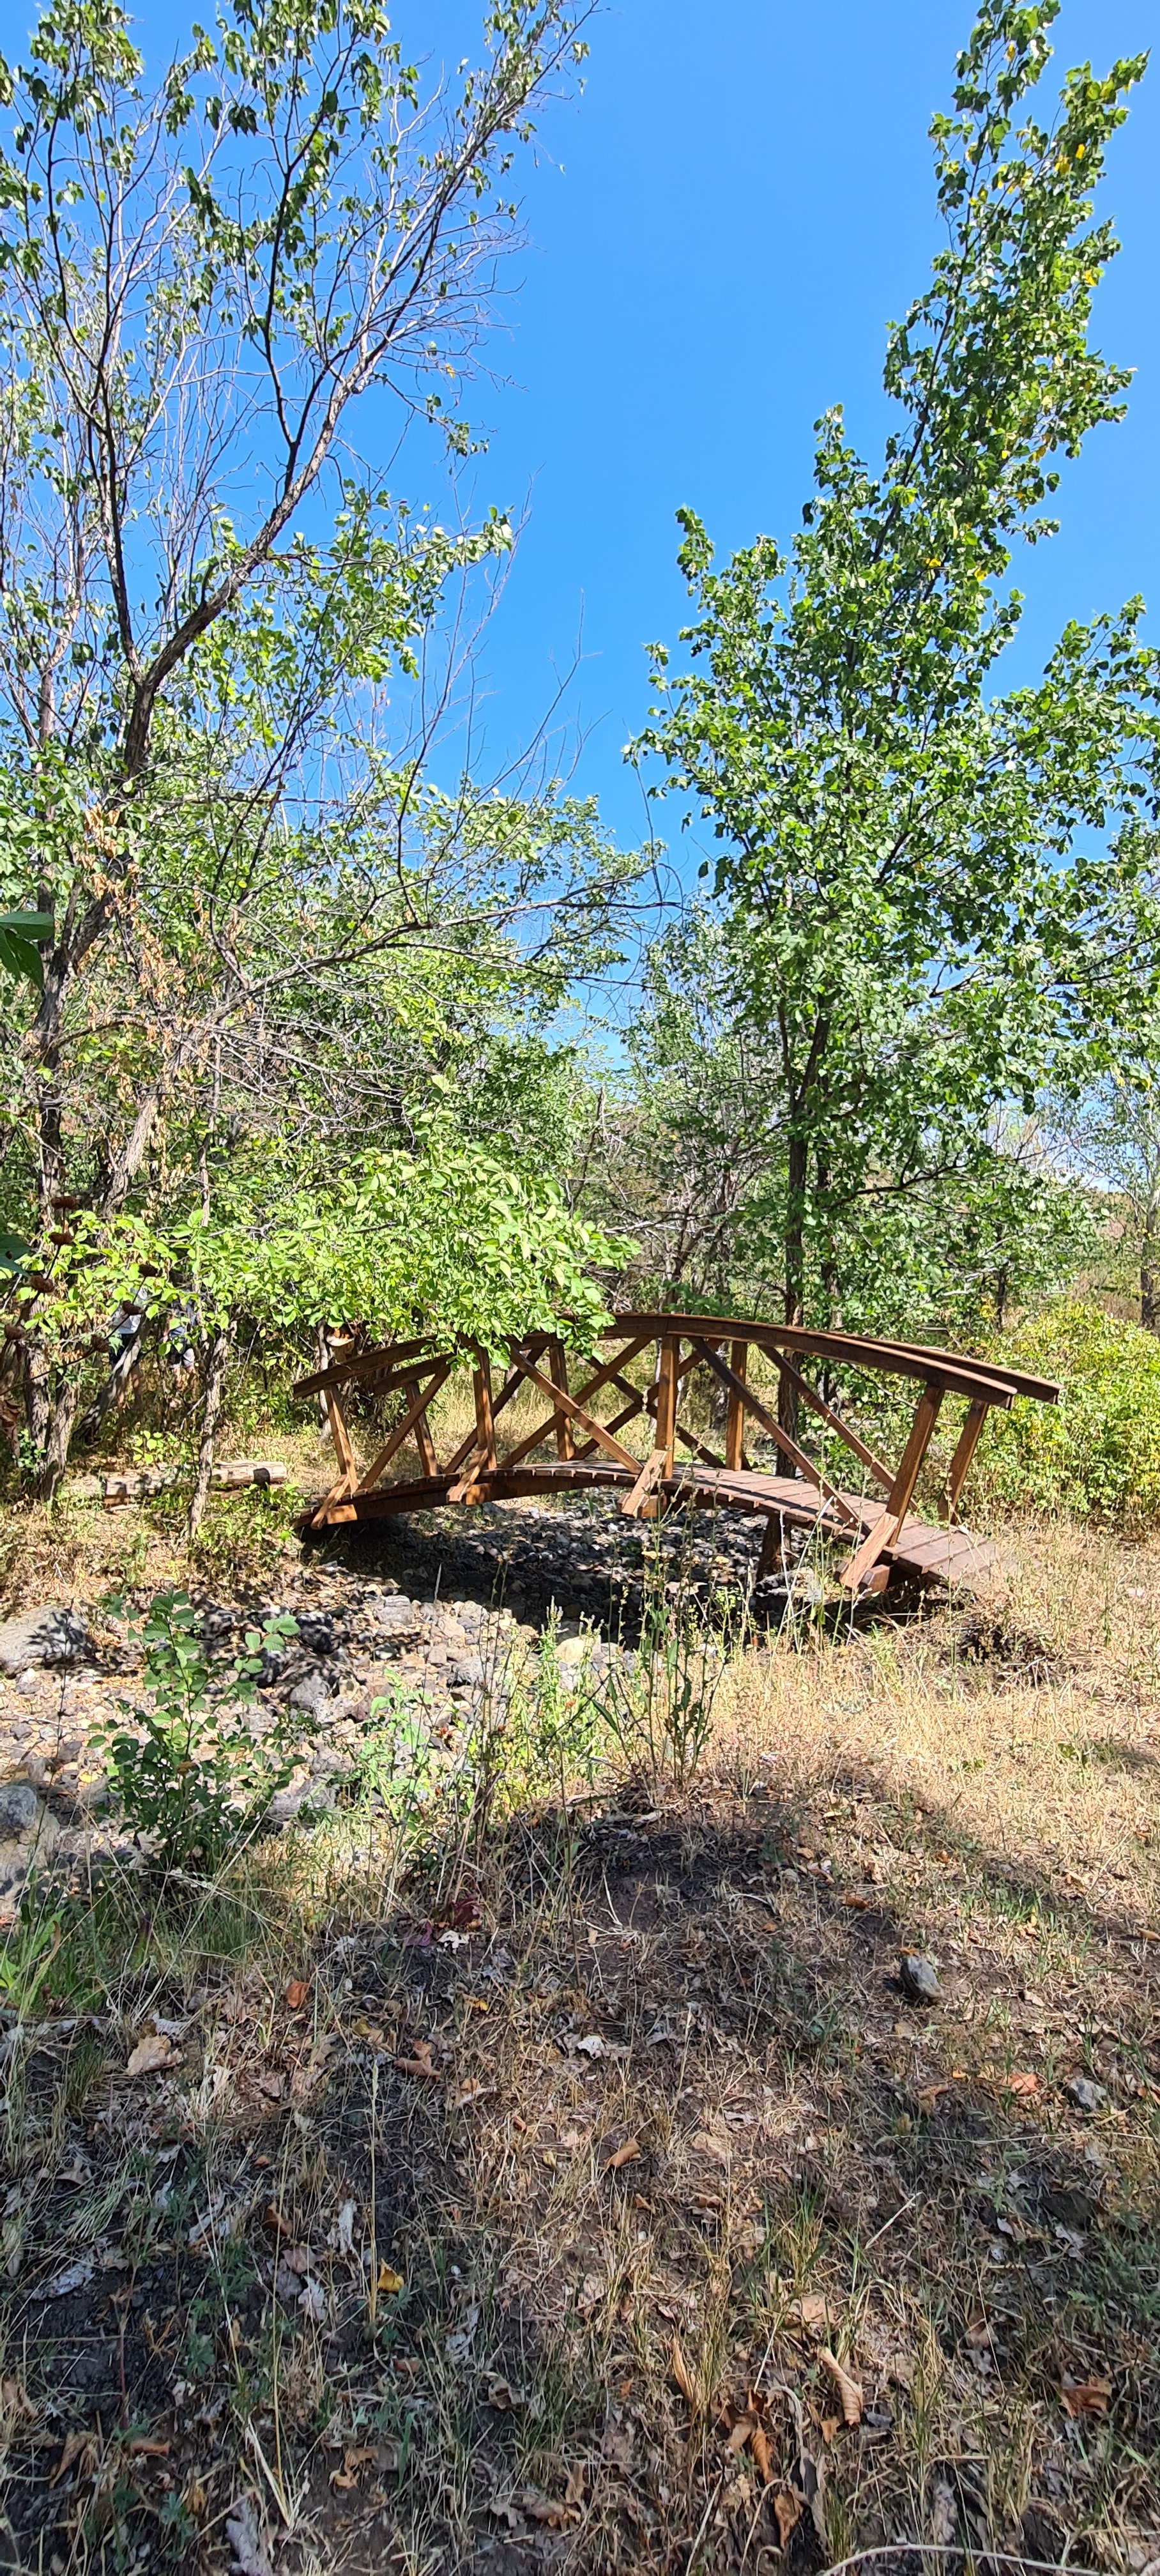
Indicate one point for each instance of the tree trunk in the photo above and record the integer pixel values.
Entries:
(795, 1270)
(215, 1378)
(1149, 1284)
(36, 1397)
(321, 1361)
(63, 1410)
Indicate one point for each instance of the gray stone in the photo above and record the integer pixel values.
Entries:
(468, 1670)
(314, 1694)
(19, 1808)
(1086, 2095)
(52, 1634)
(17, 1857)
(919, 1978)
(395, 1611)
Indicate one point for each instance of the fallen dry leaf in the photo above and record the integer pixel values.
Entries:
(419, 2061)
(849, 2391)
(14, 2399)
(788, 2511)
(296, 1993)
(743, 2426)
(1021, 2083)
(929, 2094)
(684, 2379)
(146, 2450)
(74, 2444)
(759, 2445)
(389, 2281)
(814, 2313)
(543, 2509)
(477, 2092)
(273, 2219)
(625, 2155)
(1086, 2396)
(150, 2055)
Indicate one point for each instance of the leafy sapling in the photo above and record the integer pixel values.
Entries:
(197, 1786)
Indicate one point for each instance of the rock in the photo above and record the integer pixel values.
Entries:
(467, 1671)
(394, 1611)
(52, 1634)
(919, 1978)
(19, 1808)
(17, 1854)
(1085, 2095)
(314, 1694)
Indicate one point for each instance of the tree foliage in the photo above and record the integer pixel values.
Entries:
(937, 896)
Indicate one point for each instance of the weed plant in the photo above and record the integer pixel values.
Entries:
(196, 1788)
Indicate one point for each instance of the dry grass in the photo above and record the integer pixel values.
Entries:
(683, 2137)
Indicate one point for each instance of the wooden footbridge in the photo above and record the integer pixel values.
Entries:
(870, 1514)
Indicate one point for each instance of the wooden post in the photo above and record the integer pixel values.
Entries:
(423, 1440)
(667, 1401)
(484, 1422)
(772, 1556)
(558, 1369)
(886, 1528)
(735, 1415)
(341, 1438)
(976, 1416)
(420, 1399)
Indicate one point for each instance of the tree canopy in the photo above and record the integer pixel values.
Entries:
(937, 895)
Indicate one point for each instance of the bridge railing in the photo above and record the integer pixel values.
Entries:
(588, 1447)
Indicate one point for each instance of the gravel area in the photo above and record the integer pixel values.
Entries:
(443, 1607)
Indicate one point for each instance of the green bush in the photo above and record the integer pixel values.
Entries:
(1097, 1452)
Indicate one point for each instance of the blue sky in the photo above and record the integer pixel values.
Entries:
(717, 236)
(745, 200)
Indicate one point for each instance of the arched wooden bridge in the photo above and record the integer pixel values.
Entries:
(872, 1513)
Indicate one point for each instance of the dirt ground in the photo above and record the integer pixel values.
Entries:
(590, 2192)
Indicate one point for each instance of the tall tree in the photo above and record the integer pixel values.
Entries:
(934, 890)
(206, 605)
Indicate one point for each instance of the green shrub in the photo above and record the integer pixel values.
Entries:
(1097, 1452)
(197, 1785)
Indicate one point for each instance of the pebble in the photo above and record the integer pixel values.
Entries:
(919, 1977)
(1086, 2095)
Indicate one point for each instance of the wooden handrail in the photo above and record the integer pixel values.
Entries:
(588, 1452)
(959, 1375)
